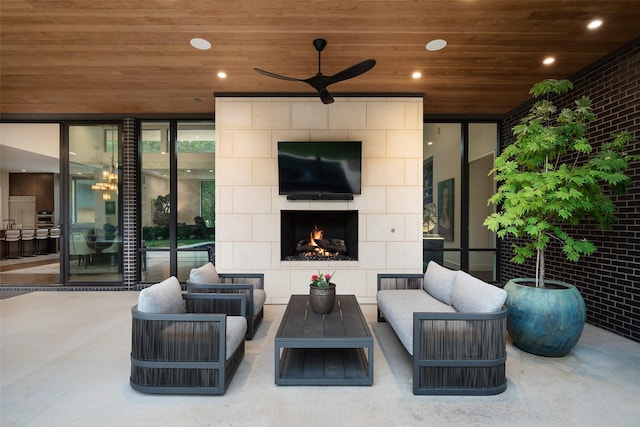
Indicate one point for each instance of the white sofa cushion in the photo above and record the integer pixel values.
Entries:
(438, 281)
(399, 306)
(472, 295)
(204, 274)
(236, 330)
(163, 297)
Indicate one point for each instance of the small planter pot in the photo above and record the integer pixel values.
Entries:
(544, 321)
(322, 299)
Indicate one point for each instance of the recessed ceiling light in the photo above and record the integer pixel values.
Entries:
(436, 44)
(222, 75)
(549, 60)
(596, 23)
(201, 44)
(430, 143)
(416, 74)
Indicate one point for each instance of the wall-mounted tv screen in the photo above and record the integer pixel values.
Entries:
(320, 170)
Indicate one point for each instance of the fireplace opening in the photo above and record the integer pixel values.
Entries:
(319, 235)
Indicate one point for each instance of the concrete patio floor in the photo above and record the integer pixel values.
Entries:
(65, 362)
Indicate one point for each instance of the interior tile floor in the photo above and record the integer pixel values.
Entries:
(65, 362)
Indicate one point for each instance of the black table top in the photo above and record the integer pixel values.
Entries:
(345, 321)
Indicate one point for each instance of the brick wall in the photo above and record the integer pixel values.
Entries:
(609, 280)
(129, 196)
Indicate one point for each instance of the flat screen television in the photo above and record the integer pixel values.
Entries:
(312, 170)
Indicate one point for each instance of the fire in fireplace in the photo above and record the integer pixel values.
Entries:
(318, 245)
(319, 235)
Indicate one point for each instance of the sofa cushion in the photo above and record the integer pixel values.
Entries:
(204, 274)
(399, 306)
(472, 295)
(438, 281)
(236, 330)
(163, 297)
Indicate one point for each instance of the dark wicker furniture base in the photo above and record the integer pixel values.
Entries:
(454, 353)
(183, 353)
(239, 283)
(329, 349)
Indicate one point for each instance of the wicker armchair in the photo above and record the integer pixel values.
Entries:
(196, 352)
(454, 353)
(250, 285)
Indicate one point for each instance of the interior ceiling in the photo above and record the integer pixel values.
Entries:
(123, 56)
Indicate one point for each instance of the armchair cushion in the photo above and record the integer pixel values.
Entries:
(189, 333)
(438, 281)
(259, 297)
(472, 295)
(236, 331)
(204, 274)
(163, 297)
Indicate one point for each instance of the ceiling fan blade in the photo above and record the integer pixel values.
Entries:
(277, 76)
(325, 96)
(352, 71)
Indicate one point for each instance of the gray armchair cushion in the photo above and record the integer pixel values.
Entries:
(192, 333)
(236, 330)
(438, 281)
(259, 297)
(163, 297)
(472, 295)
(204, 274)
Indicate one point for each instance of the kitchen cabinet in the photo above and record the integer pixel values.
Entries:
(40, 185)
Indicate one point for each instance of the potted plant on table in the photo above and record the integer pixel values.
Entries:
(322, 293)
(550, 179)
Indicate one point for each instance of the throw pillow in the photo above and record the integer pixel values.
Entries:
(204, 274)
(163, 297)
(438, 282)
(472, 295)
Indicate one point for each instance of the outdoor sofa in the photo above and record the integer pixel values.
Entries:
(454, 327)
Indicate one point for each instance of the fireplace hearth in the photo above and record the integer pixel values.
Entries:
(319, 235)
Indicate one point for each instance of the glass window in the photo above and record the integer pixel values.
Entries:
(93, 239)
(483, 142)
(441, 193)
(192, 150)
(455, 197)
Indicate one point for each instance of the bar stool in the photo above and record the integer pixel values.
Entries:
(27, 235)
(10, 237)
(42, 238)
(54, 236)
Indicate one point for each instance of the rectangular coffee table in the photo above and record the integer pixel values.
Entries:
(329, 349)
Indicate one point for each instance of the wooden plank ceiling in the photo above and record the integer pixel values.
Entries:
(124, 56)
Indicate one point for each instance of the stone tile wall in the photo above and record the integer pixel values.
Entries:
(248, 205)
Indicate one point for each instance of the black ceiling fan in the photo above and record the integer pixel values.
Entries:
(320, 82)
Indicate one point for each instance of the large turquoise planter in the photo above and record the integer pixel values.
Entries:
(544, 321)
